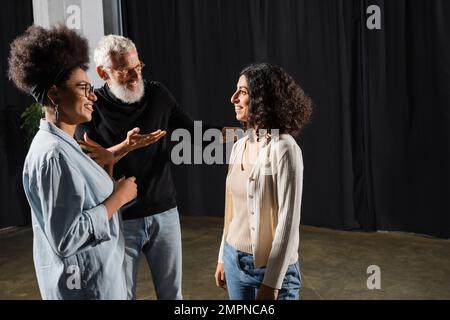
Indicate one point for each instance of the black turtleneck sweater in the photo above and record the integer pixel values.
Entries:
(112, 119)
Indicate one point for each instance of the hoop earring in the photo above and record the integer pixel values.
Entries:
(56, 107)
(56, 112)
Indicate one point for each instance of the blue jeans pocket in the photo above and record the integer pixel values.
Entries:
(292, 283)
(246, 266)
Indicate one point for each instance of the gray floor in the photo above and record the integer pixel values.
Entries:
(334, 264)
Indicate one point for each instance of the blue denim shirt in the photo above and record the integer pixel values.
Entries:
(78, 253)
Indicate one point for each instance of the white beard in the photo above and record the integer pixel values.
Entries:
(126, 95)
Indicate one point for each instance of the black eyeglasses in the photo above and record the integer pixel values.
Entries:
(124, 72)
(87, 87)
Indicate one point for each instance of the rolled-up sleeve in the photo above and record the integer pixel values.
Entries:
(69, 226)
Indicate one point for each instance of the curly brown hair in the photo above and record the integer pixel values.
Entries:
(39, 54)
(276, 100)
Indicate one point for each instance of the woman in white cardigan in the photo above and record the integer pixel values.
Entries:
(258, 256)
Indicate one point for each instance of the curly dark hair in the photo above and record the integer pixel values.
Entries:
(276, 100)
(39, 54)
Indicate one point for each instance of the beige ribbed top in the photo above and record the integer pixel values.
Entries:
(239, 231)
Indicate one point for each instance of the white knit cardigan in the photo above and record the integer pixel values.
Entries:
(274, 194)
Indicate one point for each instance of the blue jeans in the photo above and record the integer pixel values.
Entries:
(243, 279)
(159, 238)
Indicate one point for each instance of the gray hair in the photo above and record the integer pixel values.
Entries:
(108, 45)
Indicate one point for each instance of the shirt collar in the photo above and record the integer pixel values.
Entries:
(50, 127)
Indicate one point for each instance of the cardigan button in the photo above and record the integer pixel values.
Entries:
(251, 212)
(253, 229)
(250, 196)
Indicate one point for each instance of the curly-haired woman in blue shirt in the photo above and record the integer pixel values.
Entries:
(78, 245)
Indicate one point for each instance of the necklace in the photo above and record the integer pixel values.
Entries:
(244, 153)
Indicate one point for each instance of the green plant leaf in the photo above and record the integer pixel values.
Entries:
(30, 121)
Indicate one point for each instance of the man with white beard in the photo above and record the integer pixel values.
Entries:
(125, 105)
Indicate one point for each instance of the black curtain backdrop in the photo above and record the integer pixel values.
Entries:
(406, 81)
(15, 17)
(197, 48)
(377, 150)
